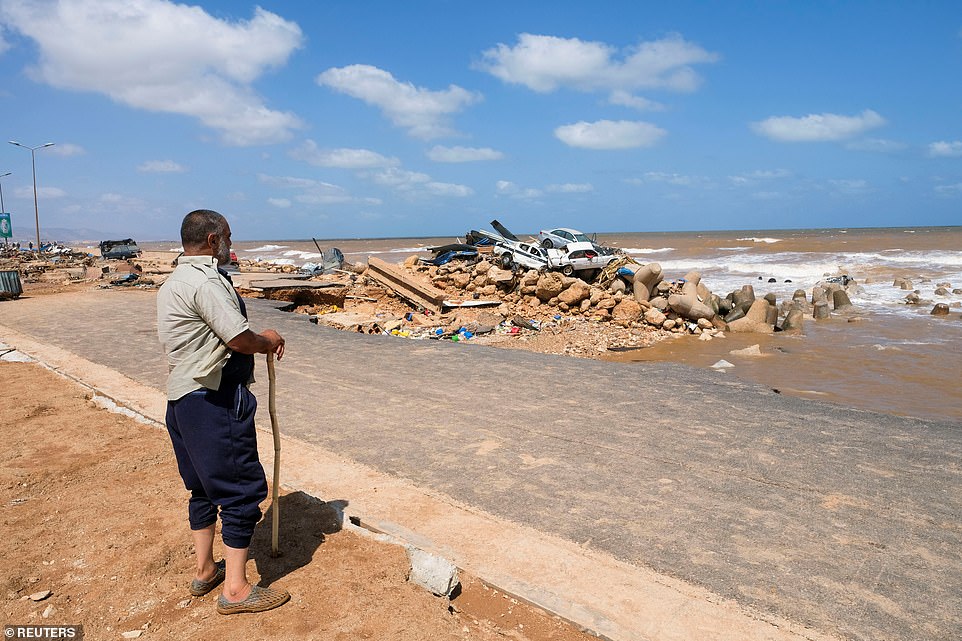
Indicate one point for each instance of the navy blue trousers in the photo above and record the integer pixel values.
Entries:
(216, 448)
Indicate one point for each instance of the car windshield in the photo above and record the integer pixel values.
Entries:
(581, 238)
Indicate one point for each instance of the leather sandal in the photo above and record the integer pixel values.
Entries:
(259, 600)
(200, 588)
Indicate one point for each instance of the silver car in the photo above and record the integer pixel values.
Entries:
(560, 237)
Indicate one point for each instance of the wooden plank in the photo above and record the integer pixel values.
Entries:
(394, 278)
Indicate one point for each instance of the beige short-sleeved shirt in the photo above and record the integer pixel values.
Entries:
(197, 315)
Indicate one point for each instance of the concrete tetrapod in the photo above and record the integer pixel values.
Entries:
(793, 320)
(645, 280)
(756, 320)
(689, 302)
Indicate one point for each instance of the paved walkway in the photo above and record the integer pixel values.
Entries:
(846, 523)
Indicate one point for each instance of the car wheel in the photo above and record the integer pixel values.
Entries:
(547, 244)
(568, 270)
(506, 261)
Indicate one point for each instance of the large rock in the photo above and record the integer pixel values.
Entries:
(940, 309)
(655, 317)
(627, 310)
(645, 280)
(577, 292)
(460, 280)
(549, 286)
(499, 277)
(756, 320)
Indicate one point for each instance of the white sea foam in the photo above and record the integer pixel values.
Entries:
(176, 249)
(266, 248)
(302, 254)
(767, 241)
(648, 250)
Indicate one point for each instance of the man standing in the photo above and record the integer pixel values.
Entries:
(202, 324)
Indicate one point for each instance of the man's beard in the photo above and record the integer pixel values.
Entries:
(223, 252)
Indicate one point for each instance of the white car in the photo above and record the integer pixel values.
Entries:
(560, 237)
(523, 254)
(578, 256)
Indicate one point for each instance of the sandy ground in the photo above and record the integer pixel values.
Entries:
(94, 513)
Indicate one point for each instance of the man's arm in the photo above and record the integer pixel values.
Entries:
(267, 342)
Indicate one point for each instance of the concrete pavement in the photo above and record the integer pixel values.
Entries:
(816, 520)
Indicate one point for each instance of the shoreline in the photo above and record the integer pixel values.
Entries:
(832, 360)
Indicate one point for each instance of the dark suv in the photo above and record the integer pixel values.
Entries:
(126, 248)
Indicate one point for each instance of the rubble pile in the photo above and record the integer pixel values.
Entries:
(249, 265)
(628, 306)
(48, 266)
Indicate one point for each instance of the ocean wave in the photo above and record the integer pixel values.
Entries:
(266, 248)
(766, 240)
(648, 250)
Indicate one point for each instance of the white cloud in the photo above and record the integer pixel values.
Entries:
(4, 45)
(759, 175)
(449, 189)
(850, 186)
(120, 203)
(680, 180)
(400, 178)
(946, 149)
(42, 192)
(949, 190)
(342, 158)
(164, 57)
(311, 192)
(280, 203)
(415, 183)
(817, 127)
(608, 134)
(570, 188)
(508, 188)
(463, 154)
(65, 149)
(876, 145)
(423, 112)
(546, 63)
(161, 167)
(625, 99)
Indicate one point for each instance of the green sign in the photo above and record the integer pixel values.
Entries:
(5, 230)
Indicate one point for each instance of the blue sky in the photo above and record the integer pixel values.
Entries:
(372, 119)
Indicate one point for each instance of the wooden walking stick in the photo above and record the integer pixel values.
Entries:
(271, 406)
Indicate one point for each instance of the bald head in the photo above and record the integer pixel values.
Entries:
(197, 227)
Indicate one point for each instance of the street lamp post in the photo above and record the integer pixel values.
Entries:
(2, 209)
(33, 163)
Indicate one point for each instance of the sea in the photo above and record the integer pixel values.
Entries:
(883, 355)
